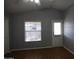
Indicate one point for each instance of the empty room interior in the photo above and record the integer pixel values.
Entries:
(39, 29)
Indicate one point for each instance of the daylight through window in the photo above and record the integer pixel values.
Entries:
(32, 31)
(57, 28)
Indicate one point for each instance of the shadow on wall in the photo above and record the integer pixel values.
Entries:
(69, 43)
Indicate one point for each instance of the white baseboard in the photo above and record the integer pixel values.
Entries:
(31, 48)
(69, 50)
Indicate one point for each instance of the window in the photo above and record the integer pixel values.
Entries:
(57, 28)
(32, 31)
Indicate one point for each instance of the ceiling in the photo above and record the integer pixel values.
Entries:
(14, 6)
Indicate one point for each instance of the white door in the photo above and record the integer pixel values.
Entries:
(57, 33)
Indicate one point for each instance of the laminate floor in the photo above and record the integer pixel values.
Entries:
(46, 53)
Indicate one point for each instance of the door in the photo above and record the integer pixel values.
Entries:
(57, 33)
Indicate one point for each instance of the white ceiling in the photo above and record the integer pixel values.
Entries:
(21, 6)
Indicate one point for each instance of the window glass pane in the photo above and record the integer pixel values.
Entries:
(57, 28)
(32, 26)
(32, 31)
(33, 36)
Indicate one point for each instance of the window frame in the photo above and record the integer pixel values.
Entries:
(33, 31)
(61, 28)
